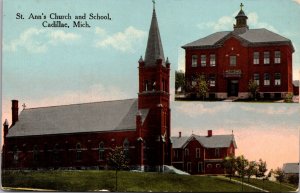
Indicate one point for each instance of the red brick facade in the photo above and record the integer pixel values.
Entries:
(229, 60)
(147, 145)
(194, 158)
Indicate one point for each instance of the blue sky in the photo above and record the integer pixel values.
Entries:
(53, 66)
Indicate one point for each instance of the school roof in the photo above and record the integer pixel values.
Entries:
(251, 36)
(214, 141)
(291, 168)
(104, 116)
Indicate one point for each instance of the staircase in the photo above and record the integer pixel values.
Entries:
(171, 169)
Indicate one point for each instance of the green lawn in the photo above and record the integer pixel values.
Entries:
(270, 186)
(127, 181)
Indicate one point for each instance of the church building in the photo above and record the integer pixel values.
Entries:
(229, 60)
(79, 136)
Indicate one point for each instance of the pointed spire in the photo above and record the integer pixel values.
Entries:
(154, 48)
(241, 21)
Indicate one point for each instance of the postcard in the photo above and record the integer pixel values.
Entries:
(150, 96)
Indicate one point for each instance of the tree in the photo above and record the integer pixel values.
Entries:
(117, 159)
(251, 169)
(253, 88)
(179, 80)
(229, 163)
(201, 86)
(261, 168)
(241, 165)
(279, 175)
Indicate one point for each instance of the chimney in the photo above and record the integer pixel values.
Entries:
(15, 111)
(209, 133)
(5, 126)
(179, 133)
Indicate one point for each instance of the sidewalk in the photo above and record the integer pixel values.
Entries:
(26, 189)
(245, 184)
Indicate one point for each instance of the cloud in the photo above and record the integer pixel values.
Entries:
(61, 36)
(37, 40)
(273, 110)
(181, 60)
(196, 109)
(100, 31)
(226, 23)
(122, 41)
(297, 1)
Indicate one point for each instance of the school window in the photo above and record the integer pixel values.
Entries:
(186, 152)
(218, 165)
(256, 78)
(232, 60)
(126, 148)
(277, 58)
(277, 79)
(256, 58)
(267, 79)
(212, 80)
(194, 60)
(197, 152)
(203, 60)
(212, 60)
(217, 152)
(189, 167)
(209, 165)
(101, 150)
(266, 57)
(78, 152)
(200, 167)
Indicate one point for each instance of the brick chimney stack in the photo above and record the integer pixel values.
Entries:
(15, 111)
(209, 133)
(179, 133)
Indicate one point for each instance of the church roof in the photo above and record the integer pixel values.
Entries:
(215, 141)
(252, 36)
(154, 48)
(291, 168)
(104, 116)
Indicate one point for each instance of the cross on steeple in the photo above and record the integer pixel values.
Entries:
(241, 6)
(153, 1)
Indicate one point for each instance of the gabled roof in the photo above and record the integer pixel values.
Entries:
(252, 36)
(215, 141)
(154, 48)
(104, 116)
(178, 142)
(291, 168)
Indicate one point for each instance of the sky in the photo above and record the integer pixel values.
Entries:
(44, 66)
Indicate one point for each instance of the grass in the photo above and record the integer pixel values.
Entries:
(270, 185)
(127, 181)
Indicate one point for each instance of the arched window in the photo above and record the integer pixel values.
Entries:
(146, 85)
(186, 152)
(78, 152)
(209, 166)
(56, 153)
(101, 150)
(145, 153)
(16, 153)
(126, 148)
(218, 165)
(35, 153)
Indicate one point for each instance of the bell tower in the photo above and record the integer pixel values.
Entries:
(154, 96)
(241, 21)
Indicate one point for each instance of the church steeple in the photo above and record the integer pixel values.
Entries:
(154, 50)
(241, 21)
